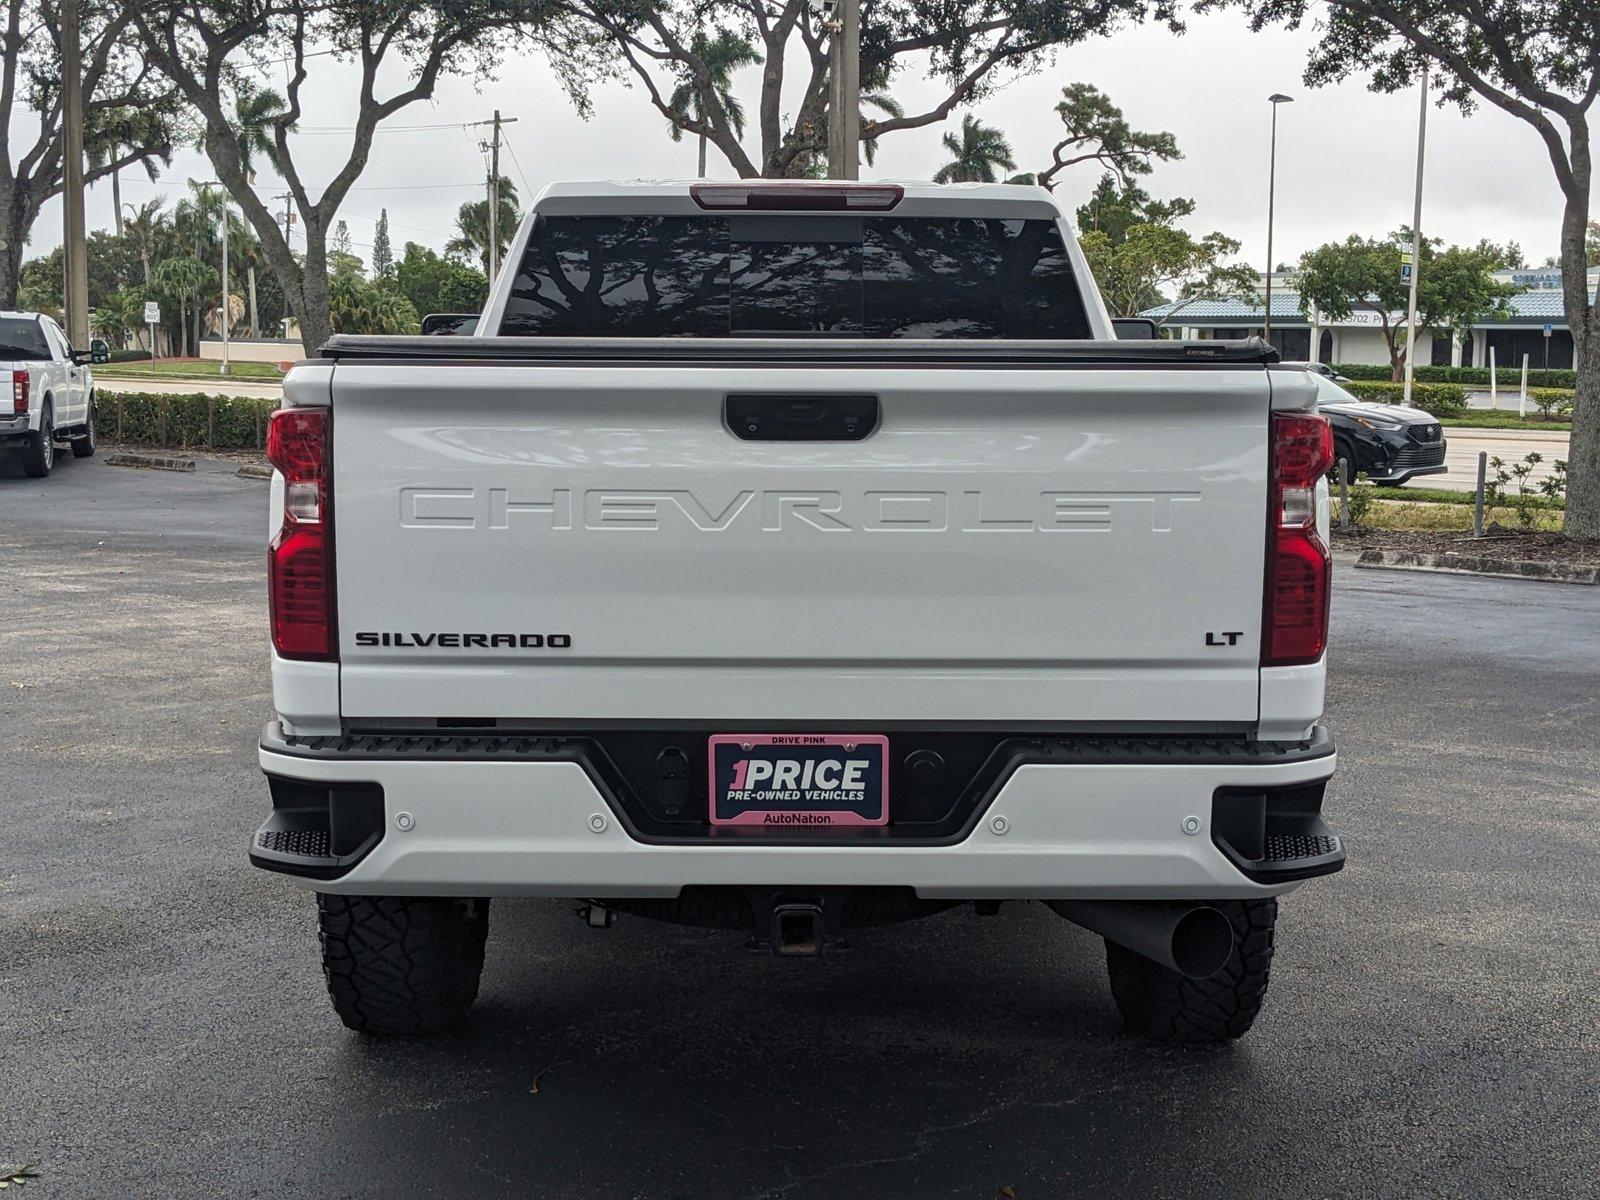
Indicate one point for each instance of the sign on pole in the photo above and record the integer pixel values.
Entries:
(1548, 329)
(1405, 265)
(152, 313)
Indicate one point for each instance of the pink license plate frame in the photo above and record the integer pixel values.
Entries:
(810, 808)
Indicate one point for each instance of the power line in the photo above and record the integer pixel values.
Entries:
(521, 174)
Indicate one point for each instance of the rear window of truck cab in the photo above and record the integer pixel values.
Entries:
(802, 275)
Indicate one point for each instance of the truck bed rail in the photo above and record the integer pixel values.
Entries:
(799, 351)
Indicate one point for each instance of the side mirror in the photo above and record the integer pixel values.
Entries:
(99, 351)
(449, 324)
(79, 357)
(1134, 329)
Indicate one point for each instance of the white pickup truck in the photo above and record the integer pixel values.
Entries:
(790, 558)
(49, 393)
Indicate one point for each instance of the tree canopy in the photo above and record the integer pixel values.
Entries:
(1095, 130)
(969, 47)
(130, 114)
(201, 46)
(1454, 286)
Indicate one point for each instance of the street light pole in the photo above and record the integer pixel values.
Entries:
(1275, 99)
(227, 307)
(223, 313)
(1416, 240)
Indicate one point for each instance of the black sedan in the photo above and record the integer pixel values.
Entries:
(1386, 442)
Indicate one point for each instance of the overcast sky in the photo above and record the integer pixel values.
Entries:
(1345, 156)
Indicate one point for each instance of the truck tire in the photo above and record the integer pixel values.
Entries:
(40, 455)
(83, 442)
(401, 965)
(1162, 1004)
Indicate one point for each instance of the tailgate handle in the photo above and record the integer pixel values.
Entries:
(800, 417)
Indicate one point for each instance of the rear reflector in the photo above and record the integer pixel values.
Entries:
(1299, 572)
(798, 197)
(300, 591)
(19, 391)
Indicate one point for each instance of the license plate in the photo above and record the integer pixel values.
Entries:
(799, 780)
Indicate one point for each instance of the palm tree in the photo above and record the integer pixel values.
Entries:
(875, 94)
(722, 53)
(978, 151)
(107, 132)
(185, 280)
(256, 110)
(472, 227)
(148, 226)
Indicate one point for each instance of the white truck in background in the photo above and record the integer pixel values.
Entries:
(49, 391)
(790, 558)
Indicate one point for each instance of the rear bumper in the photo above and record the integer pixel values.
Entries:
(1130, 819)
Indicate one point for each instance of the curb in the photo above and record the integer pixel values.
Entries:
(154, 462)
(250, 471)
(1478, 564)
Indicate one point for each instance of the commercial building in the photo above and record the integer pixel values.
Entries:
(1536, 325)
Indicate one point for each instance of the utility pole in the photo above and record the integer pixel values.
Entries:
(492, 190)
(74, 234)
(844, 100)
(1416, 239)
(494, 198)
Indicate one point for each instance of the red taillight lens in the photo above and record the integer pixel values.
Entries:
(798, 197)
(300, 591)
(19, 391)
(1299, 570)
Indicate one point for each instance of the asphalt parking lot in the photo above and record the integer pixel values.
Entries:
(1433, 1027)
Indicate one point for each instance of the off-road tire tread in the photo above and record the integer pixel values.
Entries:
(1162, 1004)
(401, 965)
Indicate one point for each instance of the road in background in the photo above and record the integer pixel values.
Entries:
(1431, 1027)
(1512, 445)
(257, 389)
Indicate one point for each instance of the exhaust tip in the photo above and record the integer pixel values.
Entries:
(1202, 942)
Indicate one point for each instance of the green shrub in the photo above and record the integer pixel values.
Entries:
(130, 356)
(183, 422)
(1474, 376)
(1525, 501)
(1554, 404)
(1436, 399)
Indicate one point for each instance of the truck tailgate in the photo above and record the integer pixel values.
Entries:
(566, 542)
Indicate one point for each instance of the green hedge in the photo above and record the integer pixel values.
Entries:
(130, 356)
(1440, 399)
(196, 422)
(1476, 376)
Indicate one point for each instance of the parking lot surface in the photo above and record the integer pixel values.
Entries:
(1433, 1026)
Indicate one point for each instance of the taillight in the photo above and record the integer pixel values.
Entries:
(1299, 572)
(798, 197)
(300, 557)
(19, 391)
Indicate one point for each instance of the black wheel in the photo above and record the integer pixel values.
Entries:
(40, 455)
(83, 444)
(399, 965)
(1162, 1004)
